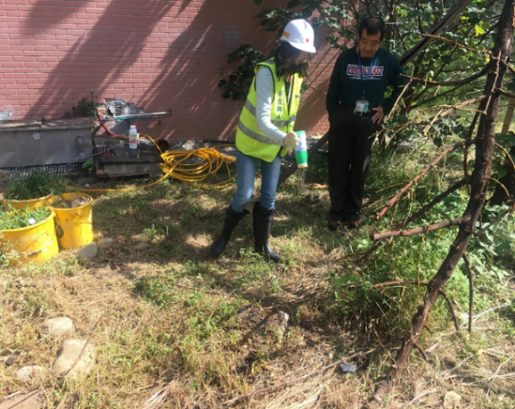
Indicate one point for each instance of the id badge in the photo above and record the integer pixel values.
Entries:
(361, 107)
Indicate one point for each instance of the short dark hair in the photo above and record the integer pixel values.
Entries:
(373, 25)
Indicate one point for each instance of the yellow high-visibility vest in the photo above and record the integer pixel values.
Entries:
(249, 139)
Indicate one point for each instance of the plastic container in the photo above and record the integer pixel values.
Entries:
(28, 204)
(301, 150)
(74, 225)
(35, 243)
(133, 137)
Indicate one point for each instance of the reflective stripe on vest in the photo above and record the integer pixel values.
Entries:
(249, 139)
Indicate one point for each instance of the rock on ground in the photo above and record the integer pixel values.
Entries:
(451, 400)
(106, 243)
(72, 350)
(142, 246)
(90, 251)
(27, 373)
(57, 327)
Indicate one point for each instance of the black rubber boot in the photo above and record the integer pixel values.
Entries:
(262, 222)
(232, 219)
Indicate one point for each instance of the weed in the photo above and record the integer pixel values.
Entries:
(175, 316)
(12, 219)
(33, 185)
(83, 109)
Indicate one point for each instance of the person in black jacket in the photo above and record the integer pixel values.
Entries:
(356, 109)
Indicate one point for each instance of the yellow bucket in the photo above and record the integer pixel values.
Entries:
(27, 204)
(30, 244)
(74, 225)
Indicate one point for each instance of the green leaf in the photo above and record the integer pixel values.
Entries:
(501, 171)
(258, 2)
(479, 30)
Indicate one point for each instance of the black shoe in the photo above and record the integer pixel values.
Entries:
(232, 219)
(262, 223)
(354, 223)
(334, 225)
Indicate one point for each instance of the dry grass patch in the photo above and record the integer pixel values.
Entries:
(173, 327)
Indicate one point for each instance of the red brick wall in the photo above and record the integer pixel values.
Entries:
(160, 54)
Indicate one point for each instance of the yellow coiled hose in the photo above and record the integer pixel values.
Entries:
(191, 166)
(186, 166)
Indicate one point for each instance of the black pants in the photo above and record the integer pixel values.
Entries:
(350, 152)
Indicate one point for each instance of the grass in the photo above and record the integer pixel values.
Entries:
(12, 219)
(207, 330)
(33, 185)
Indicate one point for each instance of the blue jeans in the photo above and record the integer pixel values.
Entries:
(246, 166)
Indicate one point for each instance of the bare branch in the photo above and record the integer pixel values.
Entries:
(506, 93)
(435, 201)
(424, 283)
(420, 175)
(464, 81)
(457, 44)
(419, 230)
(466, 150)
(451, 110)
(501, 185)
(471, 290)
(451, 309)
(392, 283)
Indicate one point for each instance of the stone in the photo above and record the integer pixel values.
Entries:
(27, 373)
(451, 400)
(10, 359)
(33, 400)
(90, 251)
(71, 352)
(106, 243)
(141, 246)
(348, 368)
(57, 327)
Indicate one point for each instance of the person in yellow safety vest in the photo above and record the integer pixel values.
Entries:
(265, 133)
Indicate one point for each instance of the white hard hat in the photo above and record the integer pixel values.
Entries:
(300, 34)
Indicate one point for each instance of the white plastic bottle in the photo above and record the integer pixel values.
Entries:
(133, 137)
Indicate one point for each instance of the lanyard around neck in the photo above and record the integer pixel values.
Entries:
(364, 80)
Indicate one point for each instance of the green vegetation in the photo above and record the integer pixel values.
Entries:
(33, 185)
(11, 219)
(211, 329)
(83, 109)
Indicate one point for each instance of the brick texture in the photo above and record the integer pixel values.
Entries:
(162, 55)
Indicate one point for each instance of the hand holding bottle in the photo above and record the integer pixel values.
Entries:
(291, 140)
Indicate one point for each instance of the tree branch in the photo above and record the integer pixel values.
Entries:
(457, 44)
(424, 283)
(451, 110)
(435, 201)
(419, 230)
(420, 175)
(506, 93)
(466, 150)
(471, 290)
(464, 81)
